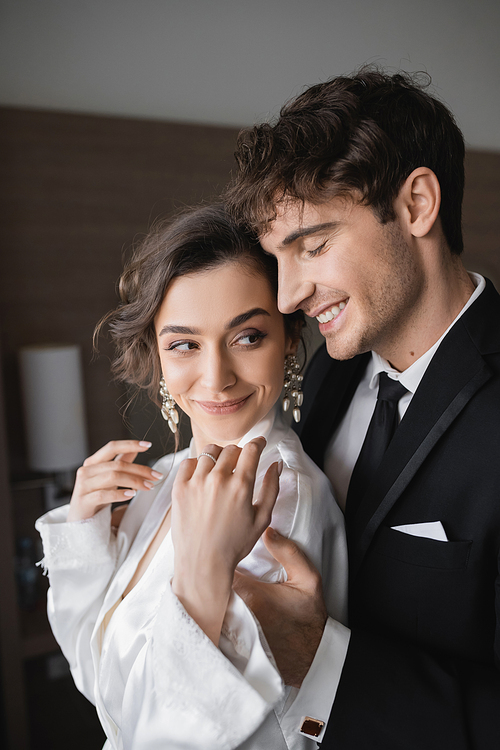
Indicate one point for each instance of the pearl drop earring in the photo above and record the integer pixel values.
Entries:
(168, 410)
(293, 386)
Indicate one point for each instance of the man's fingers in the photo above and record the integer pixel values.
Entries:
(247, 587)
(300, 571)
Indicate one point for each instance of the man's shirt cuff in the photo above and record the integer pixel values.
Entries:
(315, 698)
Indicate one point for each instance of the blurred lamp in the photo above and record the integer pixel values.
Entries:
(54, 408)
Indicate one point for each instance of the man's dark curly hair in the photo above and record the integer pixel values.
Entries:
(356, 136)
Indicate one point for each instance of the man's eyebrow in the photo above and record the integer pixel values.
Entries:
(307, 231)
(240, 319)
(179, 329)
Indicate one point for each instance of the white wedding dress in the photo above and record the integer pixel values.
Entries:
(155, 678)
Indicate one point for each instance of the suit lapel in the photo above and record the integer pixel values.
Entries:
(455, 374)
(329, 388)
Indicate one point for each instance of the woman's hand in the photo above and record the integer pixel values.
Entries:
(112, 467)
(215, 524)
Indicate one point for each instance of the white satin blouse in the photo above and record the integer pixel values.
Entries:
(155, 678)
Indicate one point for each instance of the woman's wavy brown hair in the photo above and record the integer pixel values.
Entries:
(196, 240)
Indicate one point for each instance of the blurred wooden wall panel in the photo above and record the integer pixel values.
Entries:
(481, 215)
(75, 190)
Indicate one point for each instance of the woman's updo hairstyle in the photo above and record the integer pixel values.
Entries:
(198, 239)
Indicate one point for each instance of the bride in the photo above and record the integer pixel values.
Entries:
(145, 613)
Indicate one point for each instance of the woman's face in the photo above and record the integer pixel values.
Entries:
(222, 345)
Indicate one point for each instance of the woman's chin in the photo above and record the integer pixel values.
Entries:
(229, 434)
(228, 429)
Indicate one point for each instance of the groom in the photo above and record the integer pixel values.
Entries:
(357, 192)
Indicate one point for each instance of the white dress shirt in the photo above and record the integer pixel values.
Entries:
(156, 679)
(340, 457)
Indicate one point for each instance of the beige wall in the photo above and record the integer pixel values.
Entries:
(235, 61)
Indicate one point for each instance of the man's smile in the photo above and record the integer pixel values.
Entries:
(330, 313)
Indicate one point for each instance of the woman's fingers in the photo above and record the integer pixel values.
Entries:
(114, 479)
(186, 470)
(208, 458)
(100, 498)
(84, 505)
(116, 447)
(127, 457)
(233, 459)
(110, 476)
(250, 457)
(116, 474)
(268, 494)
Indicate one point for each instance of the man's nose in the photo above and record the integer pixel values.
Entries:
(293, 287)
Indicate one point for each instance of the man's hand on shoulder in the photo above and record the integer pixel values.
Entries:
(292, 614)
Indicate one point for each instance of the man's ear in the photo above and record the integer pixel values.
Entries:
(418, 201)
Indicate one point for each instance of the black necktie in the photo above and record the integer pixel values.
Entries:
(380, 431)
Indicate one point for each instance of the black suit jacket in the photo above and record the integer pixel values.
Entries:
(422, 668)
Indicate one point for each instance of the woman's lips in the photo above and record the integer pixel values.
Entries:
(222, 407)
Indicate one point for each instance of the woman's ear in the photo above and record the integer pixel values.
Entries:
(418, 201)
(291, 345)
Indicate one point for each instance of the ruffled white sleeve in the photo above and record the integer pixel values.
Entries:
(79, 558)
(186, 692)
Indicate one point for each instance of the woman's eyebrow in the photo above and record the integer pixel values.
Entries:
(240, 319)
(179, 329)
(237, 321)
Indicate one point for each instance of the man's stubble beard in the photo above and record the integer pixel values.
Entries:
(390, 299)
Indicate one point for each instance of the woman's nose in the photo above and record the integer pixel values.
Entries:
(218, 373)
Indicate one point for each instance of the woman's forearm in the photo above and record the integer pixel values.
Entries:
(204, 593)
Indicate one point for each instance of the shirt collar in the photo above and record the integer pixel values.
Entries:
(411, 377)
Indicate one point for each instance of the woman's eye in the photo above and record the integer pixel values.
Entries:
(182, 346)
(247, 339)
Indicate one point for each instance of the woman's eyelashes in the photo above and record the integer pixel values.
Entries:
(250, 338)
(246, 339)
(181, 346)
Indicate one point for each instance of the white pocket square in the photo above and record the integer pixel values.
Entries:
(428, 530)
